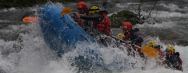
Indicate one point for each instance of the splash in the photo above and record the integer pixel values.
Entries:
(35, 56)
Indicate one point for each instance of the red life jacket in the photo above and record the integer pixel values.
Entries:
(104, 26)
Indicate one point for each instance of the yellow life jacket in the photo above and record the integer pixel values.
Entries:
(150, 52)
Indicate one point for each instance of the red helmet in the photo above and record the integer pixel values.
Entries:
(127, 25)
(81, 4)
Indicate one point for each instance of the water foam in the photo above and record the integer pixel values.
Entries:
(36, 57)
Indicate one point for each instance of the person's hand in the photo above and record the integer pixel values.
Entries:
(77, 15)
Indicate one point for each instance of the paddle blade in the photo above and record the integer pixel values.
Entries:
(30, 19)
(66, 10)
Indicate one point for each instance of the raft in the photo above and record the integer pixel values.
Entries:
(60, 30)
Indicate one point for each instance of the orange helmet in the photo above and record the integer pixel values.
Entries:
(127, 25)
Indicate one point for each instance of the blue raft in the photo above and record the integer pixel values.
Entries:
(60, 32)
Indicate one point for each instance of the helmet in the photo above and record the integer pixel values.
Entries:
(170, 48)
(120, 36)
(82, 5)
(127, 25)
(152, 43)
(94, 9)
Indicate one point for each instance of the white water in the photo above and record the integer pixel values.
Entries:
(36, 57)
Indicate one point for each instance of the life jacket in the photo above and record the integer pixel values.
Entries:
(104, 26)
(174, 61)
(178, 60)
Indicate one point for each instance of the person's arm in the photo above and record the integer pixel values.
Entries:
(93, 17)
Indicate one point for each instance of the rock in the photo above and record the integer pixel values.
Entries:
(116, 19)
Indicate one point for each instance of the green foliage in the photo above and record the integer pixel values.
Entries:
(116, 19)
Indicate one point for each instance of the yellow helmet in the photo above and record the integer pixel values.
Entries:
(152, 43)
(120, 36)
(170, 48)
(94, 9)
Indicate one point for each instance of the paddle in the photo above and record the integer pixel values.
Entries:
(126, 42)
(66, 10)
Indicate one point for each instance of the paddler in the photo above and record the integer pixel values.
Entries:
(173, 59)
